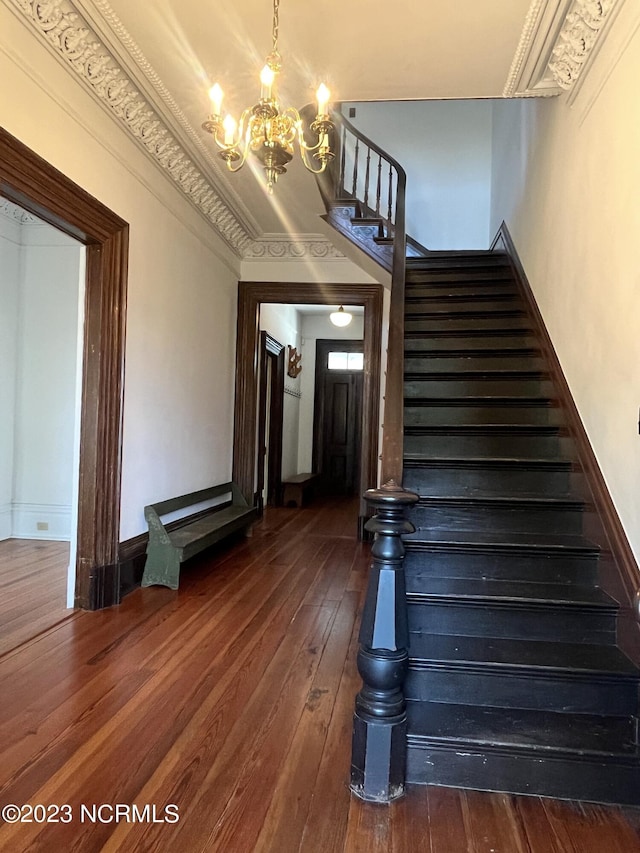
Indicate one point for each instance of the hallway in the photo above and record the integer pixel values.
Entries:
(232, 699)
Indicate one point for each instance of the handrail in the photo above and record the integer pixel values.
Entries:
(366, 184)
(380, 720)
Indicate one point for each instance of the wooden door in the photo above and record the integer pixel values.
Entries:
(341, 432)
(338, 421)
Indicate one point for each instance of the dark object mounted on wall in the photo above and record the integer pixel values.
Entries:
(293, 367)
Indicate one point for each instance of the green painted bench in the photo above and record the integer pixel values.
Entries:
(173, 542)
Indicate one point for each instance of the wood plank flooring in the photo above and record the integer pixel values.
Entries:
(232, 699)
(33, 588)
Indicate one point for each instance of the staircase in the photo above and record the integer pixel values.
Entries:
(515, 682)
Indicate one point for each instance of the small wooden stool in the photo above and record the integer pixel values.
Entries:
(298, 489)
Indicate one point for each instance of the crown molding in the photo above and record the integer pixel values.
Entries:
(559, 40)
(16, 214)
(292, 248)
(72, 36)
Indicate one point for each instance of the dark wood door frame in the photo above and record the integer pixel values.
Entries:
(273, 351)
(33, 184)
(251, 295)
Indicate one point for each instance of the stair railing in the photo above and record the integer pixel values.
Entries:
(363, 173)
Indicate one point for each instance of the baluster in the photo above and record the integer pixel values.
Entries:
(378, 760)
(379, 185)
(390, 198)
(343, 155)
(355, 169)
(366, 181)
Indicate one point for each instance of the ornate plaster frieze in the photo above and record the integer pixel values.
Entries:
(576, 40)
(291, 249)
(16, 214)
(558, 40)
(70, 36)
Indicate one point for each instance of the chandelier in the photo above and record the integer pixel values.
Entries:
(267, 131)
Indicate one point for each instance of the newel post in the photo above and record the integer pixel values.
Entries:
(378, 757)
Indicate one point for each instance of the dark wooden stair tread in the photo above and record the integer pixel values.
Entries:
(485, 429)
(496, 592)
(501, 541)
(466, 726)
(489, 400)
(426, 461)
(517, 351)
(490, 499)
(514, 655)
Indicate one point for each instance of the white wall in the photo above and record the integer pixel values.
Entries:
(46, 383)
(282, 322)
(445, 149)
(41, 281)
(567, 182)
(181, 315)
(314, 327)
(9, 288)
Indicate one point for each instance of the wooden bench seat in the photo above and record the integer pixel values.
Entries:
(298, 489)
(173, 542)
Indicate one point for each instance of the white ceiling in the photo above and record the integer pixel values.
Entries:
(363, 50)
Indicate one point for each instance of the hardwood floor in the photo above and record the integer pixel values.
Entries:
(33, 589)
(232, 699)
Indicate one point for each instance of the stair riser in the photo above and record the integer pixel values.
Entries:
(498, 566)
(455, 306)
(462, 290)
(527, 520)
(462, 324)
(452, 365)
(474, 342)
(553, 622)
(472, 274)
(468, 387)
(514, 446)
(565, 778)
(449, 415)
(498, 482)
(533, 690)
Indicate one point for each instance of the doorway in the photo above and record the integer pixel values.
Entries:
(251, 295)
(30, 182)
(338, 415)
(41, 333)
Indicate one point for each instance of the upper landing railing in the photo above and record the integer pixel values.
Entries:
(365, 176)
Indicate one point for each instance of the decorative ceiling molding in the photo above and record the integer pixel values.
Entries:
(295, 248)
(16, 214)
(558, 41)
(577, 40)
(69, 35)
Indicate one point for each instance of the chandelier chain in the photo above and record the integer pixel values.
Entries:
(276, 24)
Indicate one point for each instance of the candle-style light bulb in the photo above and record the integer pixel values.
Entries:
(267, 76)
(323, 95)
(215, 93)
(229, 126)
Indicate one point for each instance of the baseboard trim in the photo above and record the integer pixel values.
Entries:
(618, 571)
(131, 560)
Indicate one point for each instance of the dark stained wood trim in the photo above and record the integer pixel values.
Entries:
(618, 571)
(250, 296)
(129, 549)
(272, 349)
(29, 181)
